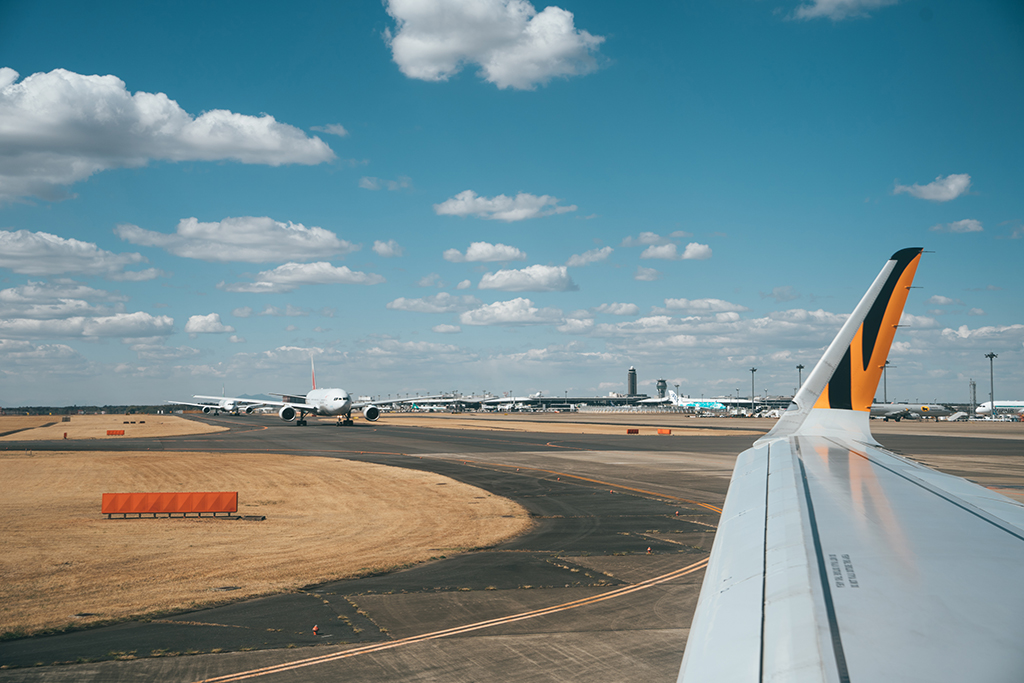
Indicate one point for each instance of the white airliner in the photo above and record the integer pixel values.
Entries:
(234, 406)
(838, 560)
(321, 403)
(1001, 407)
(898, 411)
(673, 399)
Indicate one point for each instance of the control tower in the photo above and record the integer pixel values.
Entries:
(631, 382)
(662, 388)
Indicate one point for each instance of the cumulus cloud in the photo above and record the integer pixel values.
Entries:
(128, 325)
(588, 257)
(235, 339)
(438, 303)
(243, 312)
(618, 309)
(645, 239)
(206, 324)
(939, 190)
(518, 311)
(576, 326)
(289, 311)
(837, 10)
(59, 128)
(966, 225)
(446, 329)
(247, 238)
(40, 253)
(646, 274)
(387, 249)
(987, 333)
(290, 276)
(332, 129)
(940, 300)
(430, 280)
(465, 284)
(484, 251)
(371, 183)
(536, 278)
(703, 306)
(661, 251)
(696, 252)
(513, 44)
(502, 208)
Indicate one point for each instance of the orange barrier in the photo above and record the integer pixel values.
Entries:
(664, 431)
(115, 432)
(632, 431)
(170, 503)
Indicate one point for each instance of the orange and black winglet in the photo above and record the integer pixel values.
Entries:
(853, 384)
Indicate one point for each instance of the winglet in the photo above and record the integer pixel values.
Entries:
(312, 370)
(839, 391)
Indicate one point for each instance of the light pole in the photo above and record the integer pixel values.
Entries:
(799, 375)
(752, 371)
(885, 386)
(991, 382)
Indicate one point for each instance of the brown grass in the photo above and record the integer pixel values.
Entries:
(96, 426)
(326, 519)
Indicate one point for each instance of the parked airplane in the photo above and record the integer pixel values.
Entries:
(673, 399)
(1001, 407)
(898, 411)
(223, 404)
(838, 560)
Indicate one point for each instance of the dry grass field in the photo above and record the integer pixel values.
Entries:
(50, 427)
(326, 519)
(581, 423)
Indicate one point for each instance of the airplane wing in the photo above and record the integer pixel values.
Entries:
(194, 405)
(837, 560)
(244, 401)
(362, 404)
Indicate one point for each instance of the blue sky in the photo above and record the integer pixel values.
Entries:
(501, 196)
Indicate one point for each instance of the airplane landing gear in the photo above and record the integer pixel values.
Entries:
(347, 422)
(300, 423)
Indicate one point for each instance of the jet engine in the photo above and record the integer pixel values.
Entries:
(287, 413)
(207, 410)
(248, 410)
(371, 413)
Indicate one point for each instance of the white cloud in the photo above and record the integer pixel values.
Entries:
(465, 284)
(243, 312)
(332, 129)
(645, 239)
(518, 311)
(513, 44)
(430, 280)
(129, 325)
(371, 183)
(40, 253)
(485, 252)
(618, 309)
(247, 238)
(503, 208)
(288, 312)
(940, 300)
(536, 278)
(289, 276)
(976, 311)
(939, 190)
(966, 225)
(662, 251)
(438, 303)
(918, 321)
(206, 324)
(987, 333)
(59, 128)
(837, 10)
(446, 329)
(49, 292)
(588, 257)
(646, 274)
(576, 326)
(387, 249)
(696, 252)
(235, 339)
(703, 306)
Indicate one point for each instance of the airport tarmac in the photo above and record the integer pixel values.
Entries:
(579, 597)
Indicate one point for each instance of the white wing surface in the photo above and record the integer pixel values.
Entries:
(836, 560)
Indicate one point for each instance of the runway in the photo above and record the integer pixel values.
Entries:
(579, 597)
